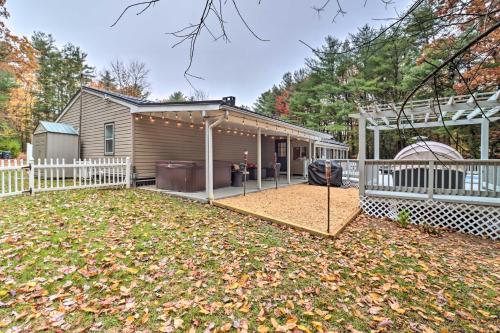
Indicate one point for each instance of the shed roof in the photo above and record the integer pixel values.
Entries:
(50, 127)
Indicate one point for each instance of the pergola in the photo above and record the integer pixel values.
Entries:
(462, 110)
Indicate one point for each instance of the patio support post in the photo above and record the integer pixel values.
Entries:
(362, 153)
(259, 159)
(288, 159)
(310, 151)
(207, 157)
(485, 129)
(376, 143)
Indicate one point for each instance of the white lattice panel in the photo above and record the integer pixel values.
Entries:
(472, 219)
(349, 183)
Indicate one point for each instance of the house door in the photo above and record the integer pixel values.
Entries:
(281, 150)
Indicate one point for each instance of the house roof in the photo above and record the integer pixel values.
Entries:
(47, 126)
(144, 105)
(145, 102)
(334, 142)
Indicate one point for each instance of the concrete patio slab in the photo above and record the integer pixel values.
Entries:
(227, 192)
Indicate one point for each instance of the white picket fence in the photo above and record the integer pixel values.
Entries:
(19, 176)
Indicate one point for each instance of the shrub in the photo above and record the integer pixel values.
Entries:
(404, 218)
(429, 229)
(10, 144)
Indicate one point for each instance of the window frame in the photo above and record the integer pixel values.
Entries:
(282, 149)
(112, 153)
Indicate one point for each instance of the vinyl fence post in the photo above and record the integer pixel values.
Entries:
(31, 168)
(127, 173)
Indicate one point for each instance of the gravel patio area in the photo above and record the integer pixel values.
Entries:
(304, 205)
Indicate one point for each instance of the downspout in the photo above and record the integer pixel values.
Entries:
(80, 118)
(210, 154)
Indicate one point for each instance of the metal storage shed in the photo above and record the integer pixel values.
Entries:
(55, 140)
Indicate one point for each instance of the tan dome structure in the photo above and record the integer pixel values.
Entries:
(429, 150)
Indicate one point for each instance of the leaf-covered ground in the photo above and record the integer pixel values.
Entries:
(125, 260)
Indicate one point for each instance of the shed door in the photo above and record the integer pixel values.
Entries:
(39, 146)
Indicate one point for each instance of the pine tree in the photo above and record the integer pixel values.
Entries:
(177, 96)
(107, 81)
(58, 76)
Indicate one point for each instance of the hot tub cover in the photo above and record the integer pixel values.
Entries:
(420, 151)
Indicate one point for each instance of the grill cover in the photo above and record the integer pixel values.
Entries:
(316, 173)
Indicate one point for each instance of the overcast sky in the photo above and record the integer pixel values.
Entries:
(245, 67)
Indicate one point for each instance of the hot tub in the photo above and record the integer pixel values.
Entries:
(189, 176)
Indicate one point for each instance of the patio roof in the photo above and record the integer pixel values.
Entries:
(197, 110)
(450, 111)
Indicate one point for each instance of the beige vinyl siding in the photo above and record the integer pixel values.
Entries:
(231, 147)
(268, 148)
(96, 113)
(157, 141)
(298, 164)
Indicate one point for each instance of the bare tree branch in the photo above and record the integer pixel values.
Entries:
(146, 5)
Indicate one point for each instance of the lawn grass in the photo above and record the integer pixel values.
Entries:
(131, 260)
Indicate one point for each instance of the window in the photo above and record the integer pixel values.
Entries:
(299, 152)
(281, 149)
(109, 139)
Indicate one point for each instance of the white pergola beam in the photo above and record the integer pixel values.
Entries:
(461, 122)
(492, 112)
(472, 100)
(458, 114)
(373, 122)
(474, 113)
(495, 97)
(448, 105)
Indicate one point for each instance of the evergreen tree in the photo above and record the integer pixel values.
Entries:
(177, 96)
(58, 76)
(107, 81)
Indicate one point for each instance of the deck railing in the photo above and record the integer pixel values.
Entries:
(477, 178)
(350, 169)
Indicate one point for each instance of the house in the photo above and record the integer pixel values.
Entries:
(115, 125)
